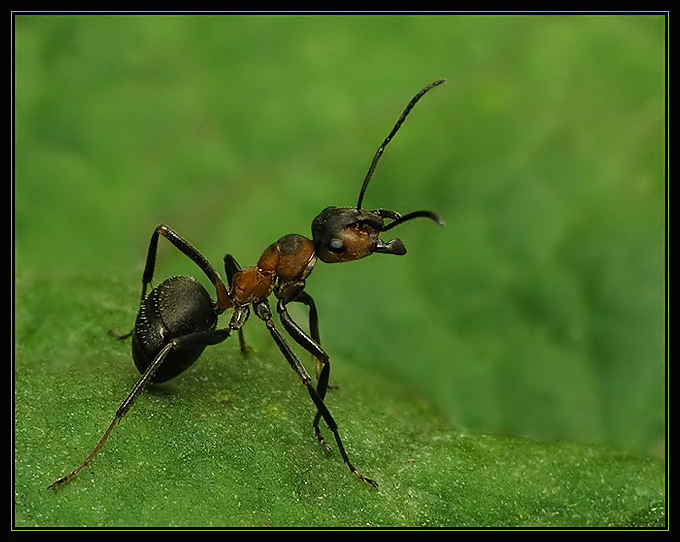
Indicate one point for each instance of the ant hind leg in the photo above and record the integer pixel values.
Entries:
(195, 339)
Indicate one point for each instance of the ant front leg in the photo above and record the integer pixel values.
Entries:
(286, 293)
(263, 312)
(306, 299)
(294, 291)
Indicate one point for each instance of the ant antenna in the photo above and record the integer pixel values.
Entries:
(380, 150)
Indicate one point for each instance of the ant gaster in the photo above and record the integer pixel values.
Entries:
(178, 318)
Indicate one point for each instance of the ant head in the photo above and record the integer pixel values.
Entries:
(345, 234)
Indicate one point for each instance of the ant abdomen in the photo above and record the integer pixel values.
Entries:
(177, 307)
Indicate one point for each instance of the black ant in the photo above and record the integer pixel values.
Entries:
(178, 318)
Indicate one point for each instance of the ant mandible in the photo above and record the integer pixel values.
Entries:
(178, 318)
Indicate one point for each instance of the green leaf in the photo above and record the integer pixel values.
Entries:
(538, 311)
(230, 444)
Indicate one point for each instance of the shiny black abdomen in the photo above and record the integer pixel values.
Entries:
(177, 307)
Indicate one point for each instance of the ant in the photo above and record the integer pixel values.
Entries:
(177, 320)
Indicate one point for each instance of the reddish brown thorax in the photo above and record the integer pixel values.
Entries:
(290, 259)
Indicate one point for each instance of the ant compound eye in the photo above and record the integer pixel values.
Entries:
(336, 246)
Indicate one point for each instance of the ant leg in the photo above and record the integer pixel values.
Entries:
(306, 299)
(264, 313)
(195, 339)
(232, 267)
(223, 300)
(294, 292)
(312, 346)
(321, 366)
(120, 336)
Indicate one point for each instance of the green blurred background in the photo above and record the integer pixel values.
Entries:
(538, 310)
